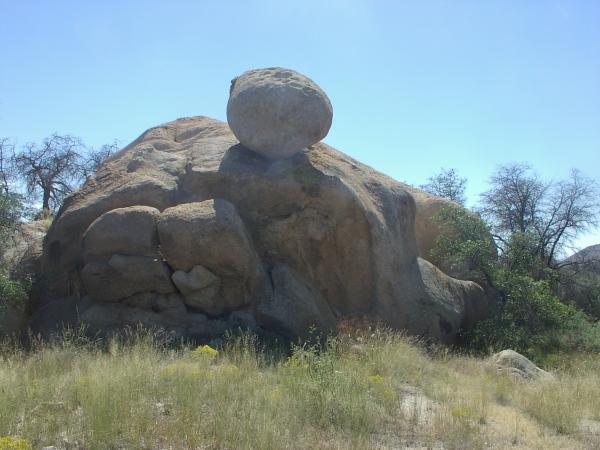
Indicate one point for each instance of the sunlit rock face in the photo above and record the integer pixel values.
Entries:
(277, 112)
(187, 230)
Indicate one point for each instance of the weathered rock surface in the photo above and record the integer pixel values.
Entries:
(277, 112)
(426, 229)
(211, 234)
(295, 307)
(200, 288)
(457, 303)
(24, 248)
(291, 243)
(127, 231)
(518, 367)
(110, 318)
(123, 276)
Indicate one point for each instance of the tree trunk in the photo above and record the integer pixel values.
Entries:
(46, 200)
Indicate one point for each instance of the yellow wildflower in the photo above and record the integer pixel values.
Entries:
(204, 351)
(376, 379)
(14, 443)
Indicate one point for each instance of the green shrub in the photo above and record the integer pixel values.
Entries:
(13, 301)
(11, 212)
(531, 318)
(465, 240)
(582, 290)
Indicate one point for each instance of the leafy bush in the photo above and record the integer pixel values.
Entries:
(13, 293)
(531, 317)
(582, 290)
(11, 212)
(519, 257)
(465, 240)
(13, 299)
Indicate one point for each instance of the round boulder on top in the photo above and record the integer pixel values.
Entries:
(277, 112)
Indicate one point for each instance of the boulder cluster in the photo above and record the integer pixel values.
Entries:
(199, 226)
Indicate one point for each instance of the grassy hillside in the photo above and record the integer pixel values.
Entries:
(375, 390)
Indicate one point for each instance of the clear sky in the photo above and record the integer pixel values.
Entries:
(415, 85)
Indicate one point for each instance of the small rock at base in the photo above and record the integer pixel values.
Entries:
(519, 367)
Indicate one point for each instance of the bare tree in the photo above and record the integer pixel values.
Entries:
(512, 204)
(96, 158)
(552, 214)
(7, 148)
(12, 209)
(571, 208)
(52, 169)
(447, 184)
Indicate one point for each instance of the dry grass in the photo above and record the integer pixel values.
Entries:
(377, 391)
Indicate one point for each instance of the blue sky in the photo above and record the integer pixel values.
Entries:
(415, 85)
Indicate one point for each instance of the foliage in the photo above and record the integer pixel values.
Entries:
(464, 239)
(530, 318)
(7, 148)
(13, 296)
(533, 321)
(11, 212)
(581, 289)
(551, 213)
(96, 158)
(519, 256)
(13, 293)
(447, 184)
(137, 393)
(54, 168)
(51, 169)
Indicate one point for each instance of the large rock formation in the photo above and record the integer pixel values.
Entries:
(188, 230)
